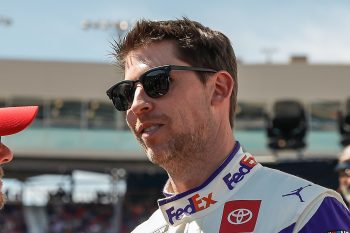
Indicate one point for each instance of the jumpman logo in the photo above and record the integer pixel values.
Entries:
(297, 192)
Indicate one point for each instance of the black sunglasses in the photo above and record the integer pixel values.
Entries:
(155, 82)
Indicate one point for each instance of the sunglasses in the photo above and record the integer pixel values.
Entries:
(155, 83)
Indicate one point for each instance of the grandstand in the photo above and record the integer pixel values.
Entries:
(78, 129)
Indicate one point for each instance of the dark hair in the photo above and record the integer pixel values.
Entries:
(196, 44)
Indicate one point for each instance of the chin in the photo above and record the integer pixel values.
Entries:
(158, 157)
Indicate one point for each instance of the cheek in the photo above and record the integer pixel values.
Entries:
(130, 119)
(191, 115)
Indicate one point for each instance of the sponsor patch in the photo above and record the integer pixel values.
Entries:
(246, 164)
(196, 203)
(296, 192)
(239, 216)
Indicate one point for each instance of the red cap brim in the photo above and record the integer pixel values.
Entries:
(16, 119)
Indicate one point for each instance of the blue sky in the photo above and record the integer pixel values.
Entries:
(51, 30)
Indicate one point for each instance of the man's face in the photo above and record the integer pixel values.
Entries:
(177, 125)
(344, 182)
(5, 156)
(2, 196)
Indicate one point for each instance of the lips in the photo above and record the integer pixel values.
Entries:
(148, 128)
(148, 124)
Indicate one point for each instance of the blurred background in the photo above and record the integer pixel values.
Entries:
(79, 169)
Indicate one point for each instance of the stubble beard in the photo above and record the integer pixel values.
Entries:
(181, 148)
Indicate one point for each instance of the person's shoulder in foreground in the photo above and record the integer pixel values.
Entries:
(180, 94)
(12, 120)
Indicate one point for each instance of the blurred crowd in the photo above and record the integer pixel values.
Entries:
(98, 216)
(12, 219)
(68, 217)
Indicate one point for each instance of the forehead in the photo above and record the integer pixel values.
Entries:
(156, 54)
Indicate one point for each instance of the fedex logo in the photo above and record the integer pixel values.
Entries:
(247, 163)
(196, 204)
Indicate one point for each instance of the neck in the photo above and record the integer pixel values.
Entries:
(195, 169)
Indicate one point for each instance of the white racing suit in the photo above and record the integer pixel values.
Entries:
(243, 196)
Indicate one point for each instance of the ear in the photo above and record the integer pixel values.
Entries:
(6, 154)
(223, 85)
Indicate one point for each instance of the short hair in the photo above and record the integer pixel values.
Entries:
(196, 45)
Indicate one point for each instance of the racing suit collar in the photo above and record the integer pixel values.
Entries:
(168, 190)
(198, 201)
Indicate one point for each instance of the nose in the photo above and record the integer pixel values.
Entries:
(6, 154)
(142, 103)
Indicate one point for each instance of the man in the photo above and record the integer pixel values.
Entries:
(179, 95)
(12, 120)
(343, 169)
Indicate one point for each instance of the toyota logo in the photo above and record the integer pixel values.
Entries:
(239, 216)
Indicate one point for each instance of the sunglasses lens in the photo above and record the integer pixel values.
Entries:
(122, 96)
(156, 83)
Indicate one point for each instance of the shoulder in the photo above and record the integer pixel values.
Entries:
(296, 200)
(315, 208)
(155, 224)
(327, 212)
(283, 183)
(293, 189)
